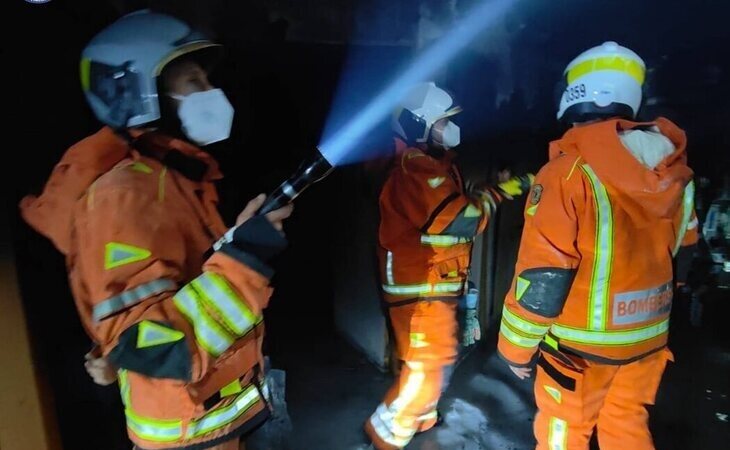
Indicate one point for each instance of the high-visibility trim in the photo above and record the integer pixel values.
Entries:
(603, 258)
(389, 267)
(472, 211)
(517, 339)
(436, 240)
(418, 340)
(532, 210)
(521, 287)
(150, 334)
(523, 325)
(629, 66)
(436, 181)
(610, 338)
(425, 288)
(154, 429)
(558, 434)
(231, 389)
(551, 342)
(224, 415)
(85, 73)
(381, 420)
(209, 334)
(215, 291)
(386, 420)
(688, 206)
(131, 297)
(139, 166)
(124, 387)
(117, 254)
(554, 393)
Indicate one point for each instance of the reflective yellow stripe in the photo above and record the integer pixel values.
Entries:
(523, 325)
(688, 206)
(603, 258)
(217, 294)
(629, 66)
(211, 336)
(435, 240)
(224, 415)
(85, 71)
(516, 338)
(426, 288)
(154, 429)
(558, 435)
(610, 338)
(124, 387)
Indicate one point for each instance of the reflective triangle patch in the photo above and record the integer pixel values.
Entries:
(532, 210)
(522, 286)
(472, 211)
(436, 181)
(418, 340)
(554, 393)
(118, 254)
(150, 334)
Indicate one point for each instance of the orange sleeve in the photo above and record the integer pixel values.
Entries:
(547, 260)
(129, 260)
(433, 201)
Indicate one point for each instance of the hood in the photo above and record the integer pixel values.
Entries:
(51, 212)
(643, 165)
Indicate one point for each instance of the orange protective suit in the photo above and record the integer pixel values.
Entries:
(426, 231)
(593, 285)
(185, 330)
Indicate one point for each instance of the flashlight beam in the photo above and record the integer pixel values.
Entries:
(424, 66)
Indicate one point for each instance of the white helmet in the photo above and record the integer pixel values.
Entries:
(424, 105)
(604, 81)
(120, 66)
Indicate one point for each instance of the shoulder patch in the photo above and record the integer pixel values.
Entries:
(536, 194)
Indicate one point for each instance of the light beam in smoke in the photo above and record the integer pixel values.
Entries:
(335, 147)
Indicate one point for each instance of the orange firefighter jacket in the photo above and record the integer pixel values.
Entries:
(185, 330)
(427, 226)
(594, 271)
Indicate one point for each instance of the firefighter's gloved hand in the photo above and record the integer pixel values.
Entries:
(100, 369)
(472, 331)
(516, 186)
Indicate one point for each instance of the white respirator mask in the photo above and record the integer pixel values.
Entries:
(206, 116)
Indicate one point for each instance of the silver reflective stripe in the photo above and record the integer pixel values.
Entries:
(389, 267)
(558, 435)
(688, 205)
(608, 338)
(153, 429)
(426, 288)
(436, 240)
(234, 312)
(518, 339)
(603, 258)
(224, 415)
(523, 325)
(207, 332)
(131, 297)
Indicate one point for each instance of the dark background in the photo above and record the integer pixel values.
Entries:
(284, 65)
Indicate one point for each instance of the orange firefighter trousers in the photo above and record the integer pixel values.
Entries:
(612, 398)
(425, 335)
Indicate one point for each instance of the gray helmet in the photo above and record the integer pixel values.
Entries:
(120, 66)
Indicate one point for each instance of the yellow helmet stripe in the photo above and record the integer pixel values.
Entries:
(629, 66)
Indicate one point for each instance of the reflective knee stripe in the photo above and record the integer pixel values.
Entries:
(521, 324)
(389, 268)
(603, 258)
(688, 206)
(131, 297)
(224, 415)
(436, 240)
(517, 338)
(425, 288)
(558, 434)
(153, 429)
(211, 336)
(610, 338)
(232, 309)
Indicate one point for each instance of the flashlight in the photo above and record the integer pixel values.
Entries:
(312, 170)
